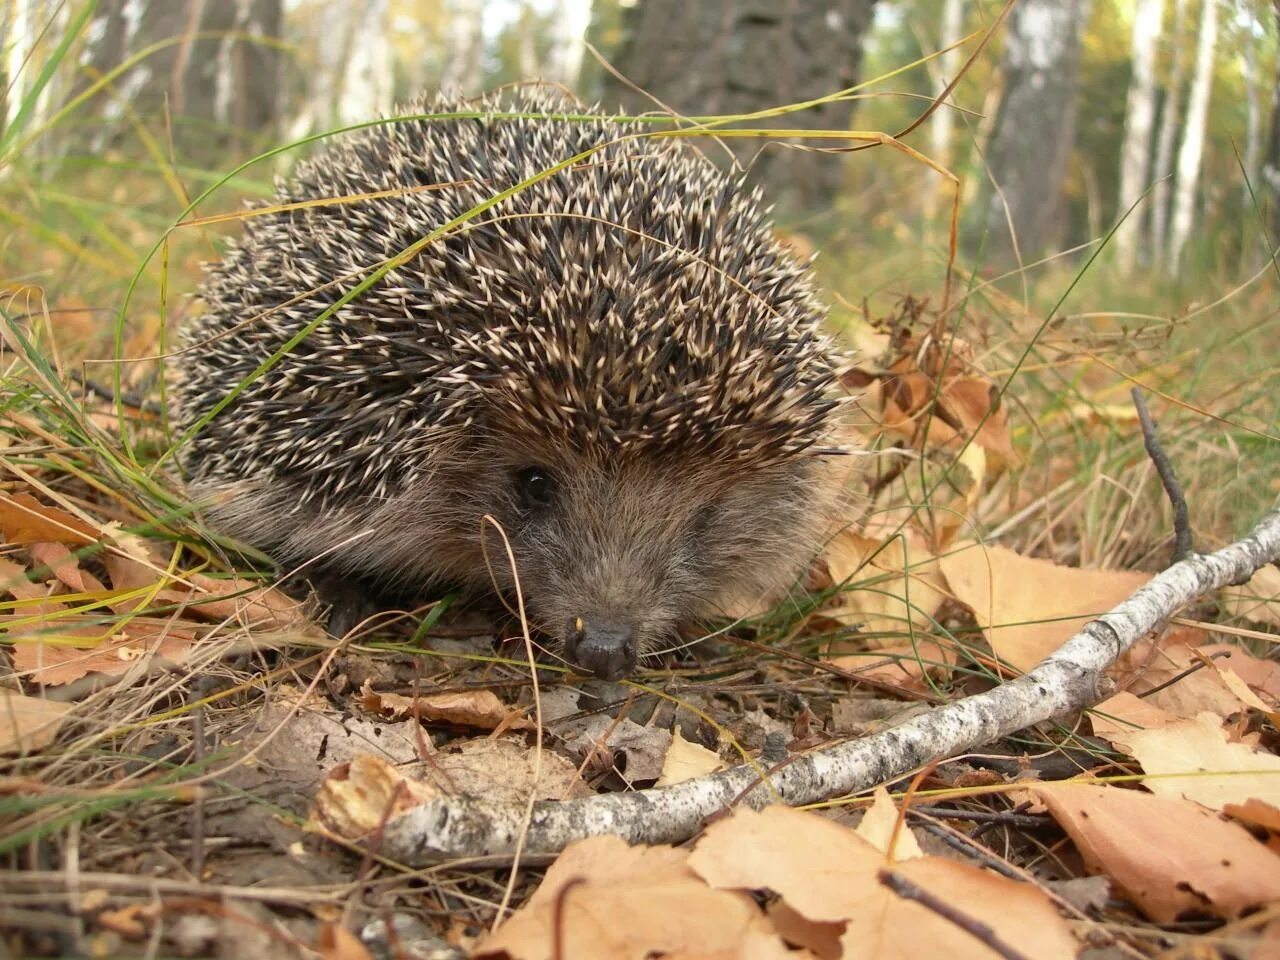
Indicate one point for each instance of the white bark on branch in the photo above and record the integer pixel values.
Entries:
(450, 827)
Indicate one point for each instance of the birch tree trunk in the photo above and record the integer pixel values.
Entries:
(1271, 157)
(942, 123)
(1191, 153)
(1139, 118)
(568, 41)
(367, 81)
(29, 32)
(19, 29)
(527, 67)
(1251, 183)
(1034, 133)
(1167, 139)
(352, 77)
(464, 64)
(322, 84)
(1253, 119)
(740, 56)
(211, 72)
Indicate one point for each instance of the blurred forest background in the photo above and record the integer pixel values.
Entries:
(135, 131)
(1076, 112)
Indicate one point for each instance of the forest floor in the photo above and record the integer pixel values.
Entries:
(177, 725)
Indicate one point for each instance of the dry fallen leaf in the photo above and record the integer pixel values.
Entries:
(244, 602)
(67, 647)
(610, 859)
(896, 582)
(133, 921)
(686, 760)
(902, 664)
(356, 798)
(1268, 945)
(52, 645)
(1191, 692)
(1194, 759)
(1169, 856)
(14, 582)
(597, 738)
(1256, 812)
(1257, 601)
(1262, 676)
(305, 737)
(1029, 607)
(206, 597)
(973, 403)
(1244, 693)
(881, 826)
(28, 724)
(828, 874)
(609, 901)
(24, 519)
(1117, 716)
(503, 770)
(934, 394)
(468, 708)
(130, 575)
(62, 563)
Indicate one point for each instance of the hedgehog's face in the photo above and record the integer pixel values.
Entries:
(612, 556)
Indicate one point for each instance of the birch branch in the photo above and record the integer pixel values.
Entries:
(452, 827)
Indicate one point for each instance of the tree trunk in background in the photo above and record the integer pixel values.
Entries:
(526, 49)
(1271, 156)
(367, 81)
(351, 78)
(29, 33)
(1139, 118)
(1191, 153)
(321, 87)
(568, 42)
(20, 25)
(1251, 184)
(942, 123)
(1253, 119)
(740, 56)
(464, 66)
(1034, 133)
(1167, 140)
(226, 84)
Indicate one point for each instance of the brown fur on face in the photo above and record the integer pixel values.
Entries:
(639, 545)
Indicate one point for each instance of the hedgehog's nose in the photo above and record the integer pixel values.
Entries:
(604, 648)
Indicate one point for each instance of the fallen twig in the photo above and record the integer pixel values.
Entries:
(451, 827)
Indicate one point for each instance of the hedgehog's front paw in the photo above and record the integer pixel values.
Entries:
(342, 602)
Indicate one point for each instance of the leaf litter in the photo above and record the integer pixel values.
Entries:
(910, 605)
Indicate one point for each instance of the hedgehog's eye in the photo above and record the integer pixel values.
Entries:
(537, 487)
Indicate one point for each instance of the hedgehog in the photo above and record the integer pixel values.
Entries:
(617, 369)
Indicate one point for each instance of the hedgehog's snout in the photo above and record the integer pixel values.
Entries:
(602, 647)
